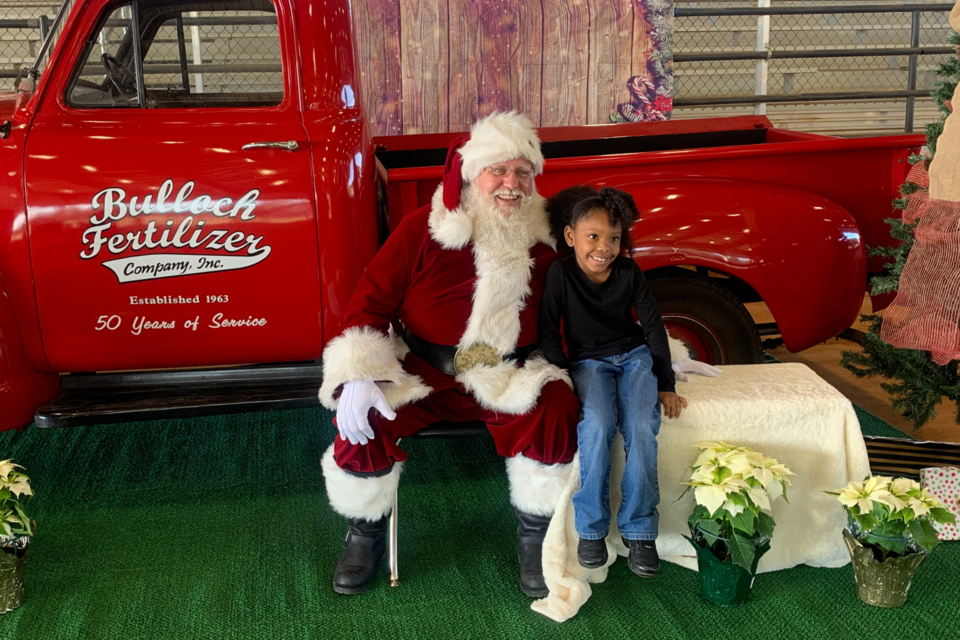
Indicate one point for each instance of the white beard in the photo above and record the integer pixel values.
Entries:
(501, 249)
(491, 228)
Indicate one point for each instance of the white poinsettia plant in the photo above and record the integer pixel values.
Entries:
(14, 485)
(734, 488)
(888, 513)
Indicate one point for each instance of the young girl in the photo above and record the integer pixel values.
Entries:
(621, 370)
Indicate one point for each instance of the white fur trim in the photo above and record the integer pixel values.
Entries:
(451, 229)
(499, 137)
(535, 487)
(678, 350)
(508, 388)
(363, 353)
(355, 497)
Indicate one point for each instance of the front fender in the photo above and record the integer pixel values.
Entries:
(801, 253)
(22, 389)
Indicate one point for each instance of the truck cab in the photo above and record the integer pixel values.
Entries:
(191, 193)
(177, 183)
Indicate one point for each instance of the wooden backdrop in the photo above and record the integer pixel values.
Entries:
(431, 66)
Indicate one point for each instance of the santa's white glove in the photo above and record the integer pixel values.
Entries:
(356, 400)
(689, 365)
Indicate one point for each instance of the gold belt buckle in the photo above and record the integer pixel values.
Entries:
(477, 353)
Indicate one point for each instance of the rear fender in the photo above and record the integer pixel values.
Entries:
(801, 253)
(22, 389)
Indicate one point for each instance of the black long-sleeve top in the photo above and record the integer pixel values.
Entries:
(597, 319)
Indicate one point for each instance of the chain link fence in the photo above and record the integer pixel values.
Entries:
(23, 27)
(222, 54)
(790, 61)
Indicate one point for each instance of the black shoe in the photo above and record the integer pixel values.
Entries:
(644, 559)
(530, 532)
(365, 547)
(592, 554)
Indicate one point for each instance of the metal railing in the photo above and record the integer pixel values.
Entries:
(764, 53)
(812, 43)
(42, 26)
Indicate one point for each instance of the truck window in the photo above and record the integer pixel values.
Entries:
(223, 54)
(104, 80)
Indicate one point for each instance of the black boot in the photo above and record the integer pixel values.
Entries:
(365, 546)
(530, 532)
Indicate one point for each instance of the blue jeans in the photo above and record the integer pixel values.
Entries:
(618, 391)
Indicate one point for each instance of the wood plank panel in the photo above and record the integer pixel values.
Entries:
(610, 58)
(425, 60)
(495, 64)
(464, 25)
(563, 99)
(526, 90)
(377, 32)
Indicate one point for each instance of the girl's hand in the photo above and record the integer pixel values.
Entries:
(672, 404)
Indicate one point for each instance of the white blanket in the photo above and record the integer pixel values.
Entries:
(784, 411)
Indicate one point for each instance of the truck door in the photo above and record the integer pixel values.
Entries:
(169, 191)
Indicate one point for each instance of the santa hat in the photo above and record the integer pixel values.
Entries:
(496, 138)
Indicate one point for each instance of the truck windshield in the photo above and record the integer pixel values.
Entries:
(43, 57)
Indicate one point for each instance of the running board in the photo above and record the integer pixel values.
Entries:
(103, 398)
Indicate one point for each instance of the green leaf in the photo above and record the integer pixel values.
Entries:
(765, 524)
(723, 473)
(923, 534)
(744, 522)
(742, 551)
(710, 526)
(738, 499)
(890, 545)
(942, 516)
(700, 513)
(23, 514)
(891, 529)
(879, 511)
(867, 522)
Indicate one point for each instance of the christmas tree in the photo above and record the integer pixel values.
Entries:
(918, 379)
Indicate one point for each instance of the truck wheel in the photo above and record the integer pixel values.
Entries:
(710, 320)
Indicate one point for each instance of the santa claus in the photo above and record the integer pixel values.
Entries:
(442, 326)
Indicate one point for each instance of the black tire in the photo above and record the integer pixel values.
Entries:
(709, 319)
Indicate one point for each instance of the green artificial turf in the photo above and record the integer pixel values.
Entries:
(219, 528)
(871, 425)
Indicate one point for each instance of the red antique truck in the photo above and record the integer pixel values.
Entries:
(182, 228)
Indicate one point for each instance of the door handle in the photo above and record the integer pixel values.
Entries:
(289, 145)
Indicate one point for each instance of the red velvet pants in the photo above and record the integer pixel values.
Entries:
(547, 433)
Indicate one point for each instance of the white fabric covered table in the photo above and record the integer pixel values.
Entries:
(784, 411)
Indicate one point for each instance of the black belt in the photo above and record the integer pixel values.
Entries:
(442, 356)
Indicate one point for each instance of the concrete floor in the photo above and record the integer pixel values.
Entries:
(824, 359)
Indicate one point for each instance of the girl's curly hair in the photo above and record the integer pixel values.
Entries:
(571, 205)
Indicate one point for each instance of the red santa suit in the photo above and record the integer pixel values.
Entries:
(446, 284)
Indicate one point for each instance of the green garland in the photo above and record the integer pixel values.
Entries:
(917, 384)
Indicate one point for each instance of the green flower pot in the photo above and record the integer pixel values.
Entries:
(722, 582)
(13, 569)
(881, 584)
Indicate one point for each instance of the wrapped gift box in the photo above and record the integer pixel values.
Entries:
(944, 482)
